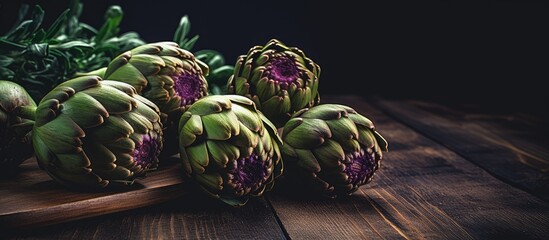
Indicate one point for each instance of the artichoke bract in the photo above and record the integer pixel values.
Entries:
(331, 149)
(229, 148)
(90, 133)
(279, 79)
(15, 142)
(169, 76)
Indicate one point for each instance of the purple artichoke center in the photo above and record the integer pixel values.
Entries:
(283, 69)
(145, 153)
(359, 167)
(188, 86)
(249, 173)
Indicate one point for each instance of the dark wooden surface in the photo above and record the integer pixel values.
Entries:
(433, 184)
(32, 199)
(514, 148)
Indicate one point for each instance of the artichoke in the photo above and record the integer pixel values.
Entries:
(218, 71)
(279, 79)
(165, 74)
(89, 132)
(15, 144)
(331, 149)
(229, 148)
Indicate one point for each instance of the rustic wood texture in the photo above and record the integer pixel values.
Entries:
(512, 148)
(32, 199)
(188, 217)
(422, 191)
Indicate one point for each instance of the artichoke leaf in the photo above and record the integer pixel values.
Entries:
(198, 157)
(309, 134)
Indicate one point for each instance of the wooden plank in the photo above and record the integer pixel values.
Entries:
(422, 191)
(512, 148)
(189, 217)
(32, 199)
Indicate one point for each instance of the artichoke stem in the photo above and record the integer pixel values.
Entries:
(26, 112)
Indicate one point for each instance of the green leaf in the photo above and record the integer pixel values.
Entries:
(7, 47)
(19, 31)
(38, 36)
(250, 119)
(221, 126)
(198, 157)
(114, 100)
(73, 27)
(37, 17)
(205, 54)
(61, 57)
(37, 51)
(222, 152)
(75, 7)
(6, 73)
(85, 28)
(307, 160)
(307, 133)
(23, 10)
(113, 16)
(329, 154)
(383, 145)
(75, 48)
(113, 129)
(5, 61)
(182, 30)
(211, 183)
(68, 142)
(57, 25)
(190, 44)
(216, 90)
(190, 126)
(343, 129)
(213, 58)
(366, 137)
(93, 116)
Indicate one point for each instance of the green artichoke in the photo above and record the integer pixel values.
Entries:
(90, 132)
(229, 148)
(331, 149)
(15, 144)
(279, 79)
(165, 74)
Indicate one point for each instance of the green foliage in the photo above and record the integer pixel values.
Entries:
(39, 58)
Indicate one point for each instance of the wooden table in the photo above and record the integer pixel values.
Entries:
(448, 174)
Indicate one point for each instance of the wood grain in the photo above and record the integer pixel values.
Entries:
(32, 199)
(188, 217)
(509, 147)
(422, 191)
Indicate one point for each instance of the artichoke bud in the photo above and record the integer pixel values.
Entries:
(280, 80)
(15, 130)
(331, 149)
(167, 75)
(91, 132)
(229, 148)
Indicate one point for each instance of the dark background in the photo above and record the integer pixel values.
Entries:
(488, 54)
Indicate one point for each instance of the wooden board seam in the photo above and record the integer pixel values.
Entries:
(376, 102)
